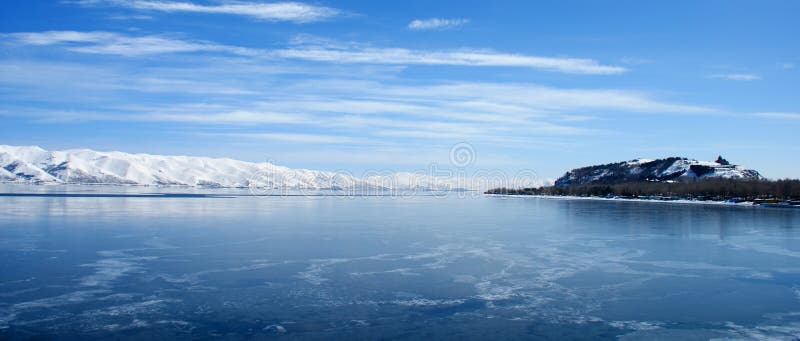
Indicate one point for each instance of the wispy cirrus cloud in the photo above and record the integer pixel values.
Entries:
(779, 115)
(436, 24)
(322, 50)
(248, 117)
(299, 138)
(509, 99)
(481, 111)
(130, 17)
(58, 37)
(463, 57)
(277, 11)
(117, 44)
(99, 42)
(736, 76)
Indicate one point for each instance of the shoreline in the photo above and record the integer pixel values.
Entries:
(678, 201)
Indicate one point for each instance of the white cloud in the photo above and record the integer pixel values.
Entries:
(59, 37)
(299, 138)
(130, 17)
(436, 23)
(87, 80)
(402, 56)
(786, 66)
(536, 99)
(157, 84)
(117, 44)
(346, 106)
(327, 51)
(780, 115)
(232, 117)
(737, 76)
(277, 11)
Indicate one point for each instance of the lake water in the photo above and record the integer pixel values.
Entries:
(465, 266)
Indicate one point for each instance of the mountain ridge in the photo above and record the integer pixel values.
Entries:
(32, 164)
(655, 170)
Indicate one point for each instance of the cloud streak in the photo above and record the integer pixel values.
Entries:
(436, 24)
(779, 115)
(401, 56)
(299, 138)
(109, 43)
(736, 76)
(277, 11)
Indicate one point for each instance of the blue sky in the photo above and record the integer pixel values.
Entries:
(379, 85)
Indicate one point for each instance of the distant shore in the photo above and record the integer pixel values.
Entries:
(754, 192)
(652, 200)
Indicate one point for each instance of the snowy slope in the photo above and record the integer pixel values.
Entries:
(83, 166)
(673, 168)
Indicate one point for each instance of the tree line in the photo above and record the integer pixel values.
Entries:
(701, 189)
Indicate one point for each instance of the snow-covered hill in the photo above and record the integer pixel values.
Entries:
(673, 168)
(82, 166)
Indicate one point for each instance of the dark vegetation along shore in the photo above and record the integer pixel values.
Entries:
(670, 179)
(768, 192)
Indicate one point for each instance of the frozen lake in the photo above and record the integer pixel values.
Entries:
(324, 267)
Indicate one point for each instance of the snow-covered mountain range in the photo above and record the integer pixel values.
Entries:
(28, 164)
(668, 169)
